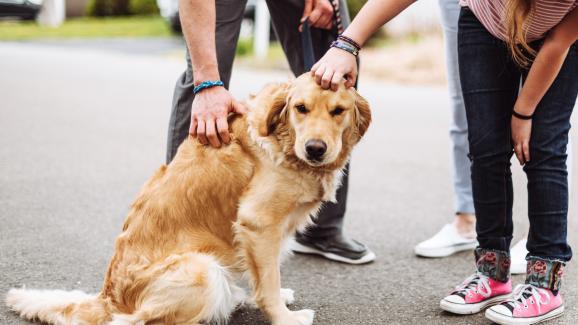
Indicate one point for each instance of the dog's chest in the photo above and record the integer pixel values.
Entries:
(315, 188)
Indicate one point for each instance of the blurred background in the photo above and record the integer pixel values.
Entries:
(85, 95)
(395, 54)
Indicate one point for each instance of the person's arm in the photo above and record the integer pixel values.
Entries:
(211, 106)
(337, 64)
(542, 74)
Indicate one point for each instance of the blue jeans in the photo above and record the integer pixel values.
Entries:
(462, 181)
(490, 83)
(464, 203)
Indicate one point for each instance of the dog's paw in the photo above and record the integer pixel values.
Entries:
(288, 296)
(304, 316)
(300, 317)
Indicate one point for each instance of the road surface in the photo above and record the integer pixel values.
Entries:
(82, 127)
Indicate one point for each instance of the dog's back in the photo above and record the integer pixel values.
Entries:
(177, 243)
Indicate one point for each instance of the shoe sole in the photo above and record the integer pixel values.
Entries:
(468, 309)
(298, 248)
(505, 320)
(445, 251)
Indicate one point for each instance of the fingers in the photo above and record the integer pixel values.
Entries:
(321, 19)
(201, 132)
(350, 81)
(211, 133)
(326, 79)
(307, 10)
(306, 13)
(223, 129)
(314, 17)
(336, 80)
(238, 108)
(519, 153)
(324, 21)
(314, 68)
(526, 151)
(319, 74)
(193, 127)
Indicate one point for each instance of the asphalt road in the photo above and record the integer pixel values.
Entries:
(82, 128)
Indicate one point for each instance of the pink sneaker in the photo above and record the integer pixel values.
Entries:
(476, 293)
(530, 305)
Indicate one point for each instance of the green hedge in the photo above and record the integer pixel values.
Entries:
(103, 8)
(143, 7)
(354, 6)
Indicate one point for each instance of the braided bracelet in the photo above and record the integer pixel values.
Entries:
(207, 84)
(345, 47)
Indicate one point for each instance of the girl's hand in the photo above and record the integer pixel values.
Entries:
(333, 67)
(521, 131)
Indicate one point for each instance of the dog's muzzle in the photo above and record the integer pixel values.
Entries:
(315, 150)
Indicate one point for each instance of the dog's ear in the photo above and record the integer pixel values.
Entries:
(362, 114)
(272, 101)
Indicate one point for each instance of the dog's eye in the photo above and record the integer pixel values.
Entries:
(337, 111)
(302, 109)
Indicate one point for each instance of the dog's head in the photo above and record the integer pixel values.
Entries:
(317, 126)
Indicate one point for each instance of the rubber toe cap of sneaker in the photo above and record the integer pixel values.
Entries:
(455, 299)
(502, 310)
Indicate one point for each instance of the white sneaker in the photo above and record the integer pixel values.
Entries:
(445, 243)
(518, 257)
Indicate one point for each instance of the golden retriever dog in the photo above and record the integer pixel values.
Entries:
(213, 217)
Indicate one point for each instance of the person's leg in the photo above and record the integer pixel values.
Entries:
(464, 202)
(460, 235)
(490, 82)
(547, 171)
(326, 236)
(539, 298)
(229, 18)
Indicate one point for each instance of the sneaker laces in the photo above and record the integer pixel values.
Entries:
(524, 292)
(478, 283)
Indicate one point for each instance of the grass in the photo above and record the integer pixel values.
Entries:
(137, 26)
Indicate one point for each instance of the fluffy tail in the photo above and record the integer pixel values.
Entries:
(57, 307)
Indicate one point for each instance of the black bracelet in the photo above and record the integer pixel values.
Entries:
(350, 41)
(521, 116)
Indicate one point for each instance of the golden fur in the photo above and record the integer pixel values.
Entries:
(213, 215)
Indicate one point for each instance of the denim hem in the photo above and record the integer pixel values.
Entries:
(544, 273)
(466, 208)
(493, 263)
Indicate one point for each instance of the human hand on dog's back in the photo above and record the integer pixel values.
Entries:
(209, 115)
(212, 105)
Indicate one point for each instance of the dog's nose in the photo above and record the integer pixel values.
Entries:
(315, 149)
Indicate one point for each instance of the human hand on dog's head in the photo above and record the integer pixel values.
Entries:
(335, 66)
(209, 116)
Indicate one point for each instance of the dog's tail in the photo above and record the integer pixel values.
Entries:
(57, 307)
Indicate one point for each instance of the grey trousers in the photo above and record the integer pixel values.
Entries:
(285, 15)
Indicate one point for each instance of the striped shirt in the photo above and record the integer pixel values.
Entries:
(547, 14)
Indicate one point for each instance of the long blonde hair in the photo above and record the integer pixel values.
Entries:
(518, 16)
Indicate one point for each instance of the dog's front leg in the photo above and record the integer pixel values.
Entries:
(260, 246)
